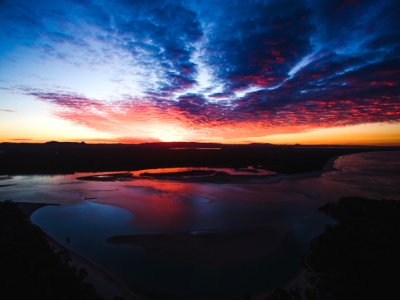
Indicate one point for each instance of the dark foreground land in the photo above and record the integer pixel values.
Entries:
(206, 248)
(54, 157)
(357, 258)
(29, 268)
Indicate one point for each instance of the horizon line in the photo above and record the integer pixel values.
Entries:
(25, 141)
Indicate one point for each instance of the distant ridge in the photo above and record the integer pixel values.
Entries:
(68, 157)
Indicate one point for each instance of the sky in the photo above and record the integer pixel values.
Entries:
(234, 71)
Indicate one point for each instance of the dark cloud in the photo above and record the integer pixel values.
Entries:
(259, 43)
(192, 103)
(162, 35)
(347, 24)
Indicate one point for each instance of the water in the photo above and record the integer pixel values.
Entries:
(285, 210)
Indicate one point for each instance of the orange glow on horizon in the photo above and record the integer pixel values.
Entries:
(374, 134)
(366, 134)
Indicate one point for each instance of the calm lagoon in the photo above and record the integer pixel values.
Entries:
(209, 241)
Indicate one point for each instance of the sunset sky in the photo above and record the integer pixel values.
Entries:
(234, 71)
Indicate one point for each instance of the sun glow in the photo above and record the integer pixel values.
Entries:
(167, 133)
(199, 71)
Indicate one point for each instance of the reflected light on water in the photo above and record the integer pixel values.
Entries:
(284, 213)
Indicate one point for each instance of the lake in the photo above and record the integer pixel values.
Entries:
(199, 240)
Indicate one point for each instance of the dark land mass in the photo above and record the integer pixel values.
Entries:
(54, 157)
(29, 208)
(207, 248)
(30, 268)
(183, 173)
(210, 176)
(124, 176)
(357, 258)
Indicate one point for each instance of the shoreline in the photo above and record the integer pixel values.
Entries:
(103, 281)
(328, 167)
(105, 284)
(280, 159)
(226, 179)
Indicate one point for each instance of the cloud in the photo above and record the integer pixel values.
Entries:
(7, 110)
(258, 44)
(219, 68)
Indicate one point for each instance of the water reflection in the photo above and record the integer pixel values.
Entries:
(286, 212)
(371, 174)
(230, 171)
(83, 226)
